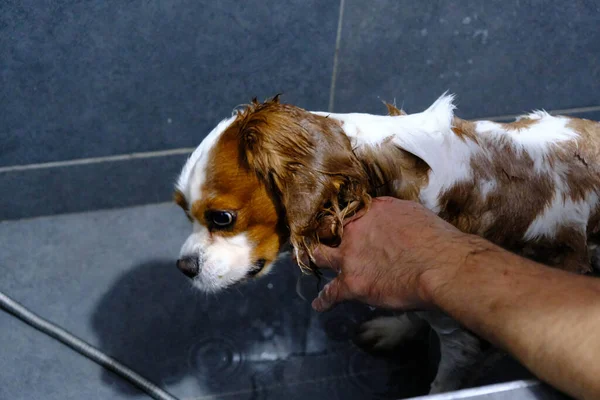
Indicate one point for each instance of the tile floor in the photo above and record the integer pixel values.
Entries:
(109, 277)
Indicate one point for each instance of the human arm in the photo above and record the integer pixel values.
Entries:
(399, 255)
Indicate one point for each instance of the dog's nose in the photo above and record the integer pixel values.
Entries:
(189, 266)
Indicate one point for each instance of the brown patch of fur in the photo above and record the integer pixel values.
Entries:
(520, 195)
(567, 250)
(462, 205)
(393, 171)
(308, 163)
(583, 174)
(180, 200)
(292, 174)
(522, 123)
(393, 110)
(576, 257)
(231, 186)
(464, 129)
(518, 198)
(465, 206)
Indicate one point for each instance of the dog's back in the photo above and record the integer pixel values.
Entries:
(535, 188)
(531, 186)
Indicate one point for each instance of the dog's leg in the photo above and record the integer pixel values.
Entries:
(578, 262)
(387, 333)
(578, 256)
(459, 351)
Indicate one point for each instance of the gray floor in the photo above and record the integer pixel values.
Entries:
(109, 277)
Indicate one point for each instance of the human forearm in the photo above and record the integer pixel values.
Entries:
(400, 255)
(548, 319)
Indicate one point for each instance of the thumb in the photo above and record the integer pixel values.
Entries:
(331, 294)
(323, 257)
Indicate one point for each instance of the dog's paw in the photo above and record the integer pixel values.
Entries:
(386, 333)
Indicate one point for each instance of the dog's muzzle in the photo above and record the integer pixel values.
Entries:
(190, 266)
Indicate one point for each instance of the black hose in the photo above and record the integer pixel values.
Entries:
(82, 347)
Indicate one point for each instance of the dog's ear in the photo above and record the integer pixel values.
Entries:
(308, 162)
(316, 206)
(271, 140)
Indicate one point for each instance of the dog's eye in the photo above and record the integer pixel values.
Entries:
(221, 219)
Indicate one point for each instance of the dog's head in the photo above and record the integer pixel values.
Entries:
(271, 175)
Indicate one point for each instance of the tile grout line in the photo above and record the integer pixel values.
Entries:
(96, 160)
(85, 212)
(188, 150)
(338, 39)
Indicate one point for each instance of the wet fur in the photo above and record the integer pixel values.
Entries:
(321, 168)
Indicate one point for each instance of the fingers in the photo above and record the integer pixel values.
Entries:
(326, 257)
(331, 294)
(323, 257)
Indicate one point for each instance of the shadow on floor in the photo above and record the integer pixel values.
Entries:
(259, 340)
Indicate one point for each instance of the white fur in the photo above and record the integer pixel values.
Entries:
(193, 173)
(386, 333)
(562, 211)
(223, 261)
(537, 140)
(413, 132)
(486, 187)
(428, 135)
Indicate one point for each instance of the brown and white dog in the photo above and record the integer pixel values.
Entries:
(275, 176)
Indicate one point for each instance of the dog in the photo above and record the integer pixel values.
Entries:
(275, 178)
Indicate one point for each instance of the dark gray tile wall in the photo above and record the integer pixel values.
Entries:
(593, 115)
(498, 57)
(105, 185)
(91, 78)
(97, 78)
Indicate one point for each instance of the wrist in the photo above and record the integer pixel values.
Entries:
(438, 281)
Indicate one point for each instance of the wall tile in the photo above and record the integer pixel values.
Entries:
(92, 78)
(88, 187)
(499, 57)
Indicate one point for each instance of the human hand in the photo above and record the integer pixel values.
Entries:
(386, 253)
